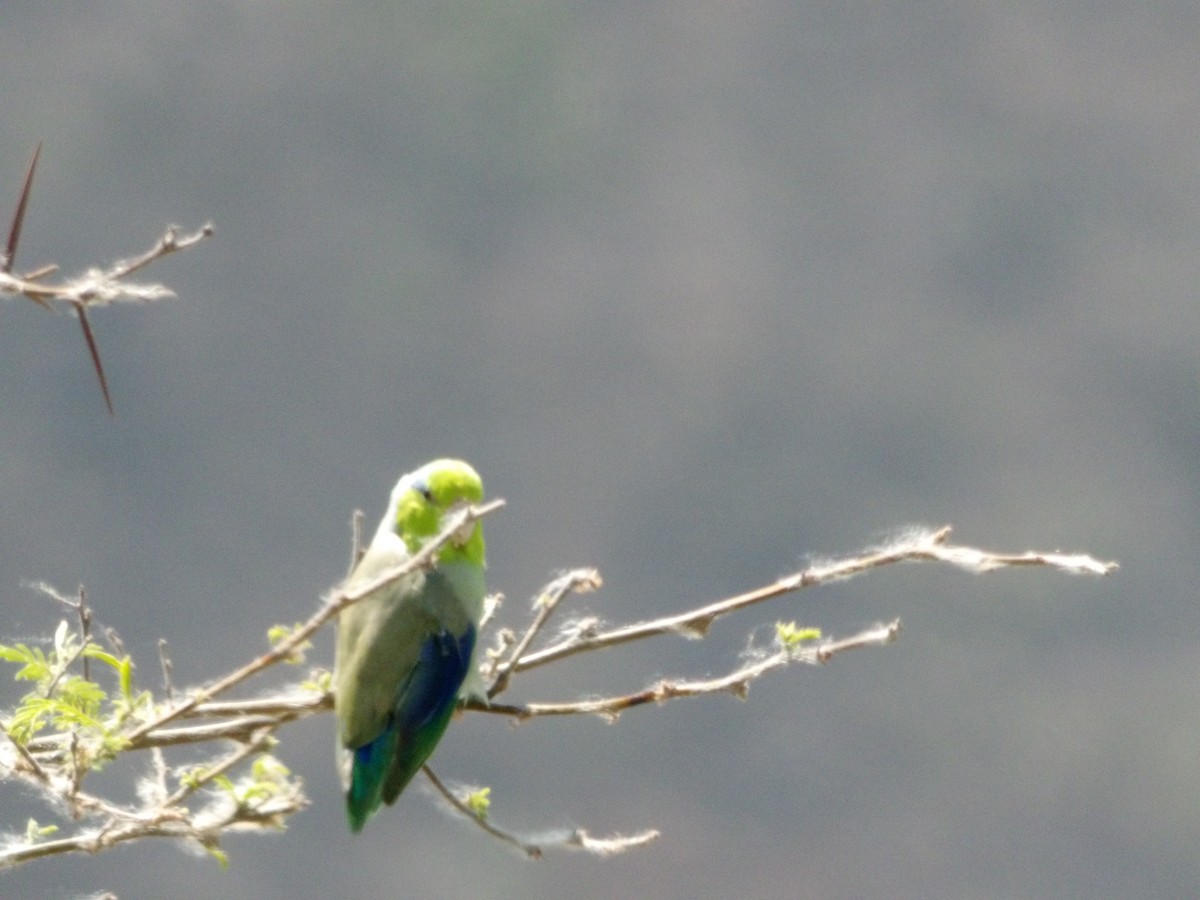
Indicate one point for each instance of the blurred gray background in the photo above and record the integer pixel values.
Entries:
(704, 290)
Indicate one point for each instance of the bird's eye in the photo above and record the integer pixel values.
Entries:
(424, 491)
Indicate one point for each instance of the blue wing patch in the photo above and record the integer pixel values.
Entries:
(382, 768)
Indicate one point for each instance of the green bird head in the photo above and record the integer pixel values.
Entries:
(421, 500)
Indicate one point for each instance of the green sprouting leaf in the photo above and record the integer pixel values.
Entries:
(268, 778)
(124, 707)
(81, 693)
(110, 745)
(35, 832)
(277, 634)
(125, 677)
(35, 668)
(30, 717)
(321, 682)
(219, 855)
(19, 653)
(122, 666)
(789, 635)
(95, 651)
(253, 792)
(269, 768)
(69, 716)
(479, 802)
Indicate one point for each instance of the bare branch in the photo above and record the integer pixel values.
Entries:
(736, 682)
(915, 546)
(609, 846)
(27, 757)
(577, 580)
(169, 243)
(98, 287)
(260, 742)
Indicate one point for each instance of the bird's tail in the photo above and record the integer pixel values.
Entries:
(368, 770)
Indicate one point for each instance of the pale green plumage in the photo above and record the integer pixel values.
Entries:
(405, 653)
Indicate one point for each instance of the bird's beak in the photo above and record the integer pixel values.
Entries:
(462, 535)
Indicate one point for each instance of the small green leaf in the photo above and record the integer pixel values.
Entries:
(13, 654)
(789, 635)
(269, 768)
(30, 717)
(35, 832)
(219, 855)
(94, 651)
(479, 802)
(277, 634)
(123, 666)
(35, 669)
(125, 676)
(321, 682)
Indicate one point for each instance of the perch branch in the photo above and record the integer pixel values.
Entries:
(736, 682)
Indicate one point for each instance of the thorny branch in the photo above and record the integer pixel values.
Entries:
(51, 760)
(96, 287)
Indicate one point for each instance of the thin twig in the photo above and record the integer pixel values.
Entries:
(568, 839)
(169, 243)
(581, 580)
(27, 757)
(533, 851)
(101, 287)
(736, 682)
(63, 666)
(916, 546)
(82, 610)
(259, 742)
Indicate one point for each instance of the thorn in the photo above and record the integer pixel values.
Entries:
(91, 342)
(14, 231)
